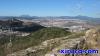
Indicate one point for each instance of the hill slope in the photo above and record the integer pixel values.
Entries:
(35, 38)
(51, 47)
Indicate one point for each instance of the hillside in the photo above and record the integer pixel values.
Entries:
(17, 25)
(35, 38)
(51, 47)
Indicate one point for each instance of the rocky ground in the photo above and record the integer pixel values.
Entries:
(51, 47)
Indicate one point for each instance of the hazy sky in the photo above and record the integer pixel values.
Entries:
(50, 7)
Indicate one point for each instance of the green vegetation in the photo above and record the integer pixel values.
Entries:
(35, 38)
(77, 35)
(48, 33)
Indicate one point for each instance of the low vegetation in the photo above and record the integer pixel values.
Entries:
(19, 43)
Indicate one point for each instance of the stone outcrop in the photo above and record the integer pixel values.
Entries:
(91, 41)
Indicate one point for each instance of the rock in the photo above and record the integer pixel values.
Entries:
(91, 41)
(50, 55)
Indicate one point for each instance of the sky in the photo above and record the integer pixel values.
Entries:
(50, 7)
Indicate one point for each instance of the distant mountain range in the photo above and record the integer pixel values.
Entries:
(90, 19)
(54, 17)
